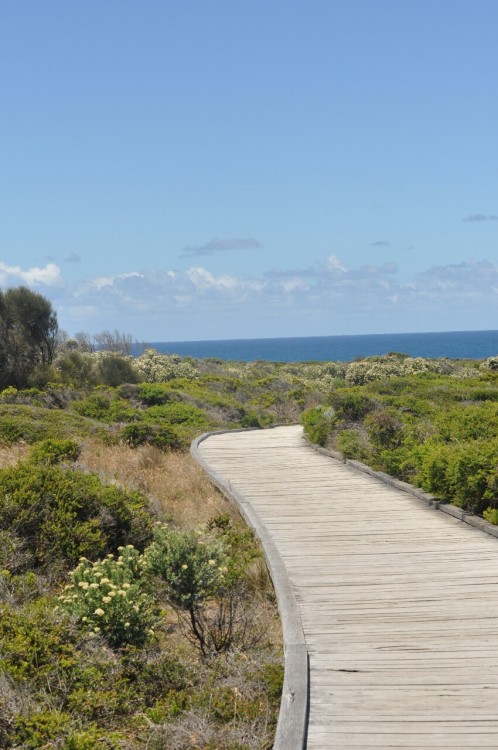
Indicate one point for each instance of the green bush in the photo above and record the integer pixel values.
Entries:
(463, 474)
(491, 515)
(33, 639)
(32, 424)
(39, 727)
(50, 452)
(61, 514)
(108, 597)
(318, 424)
(106, 406)
(384, 428)
(113, 370)
(178, 413)
(153, 394)
(352, 445)
(352, 407)
(192, 565)
(162, 436)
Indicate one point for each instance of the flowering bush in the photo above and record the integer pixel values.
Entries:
(391, 366)
(491, 363)
(156, 368)
(193, 565)
(108, 597)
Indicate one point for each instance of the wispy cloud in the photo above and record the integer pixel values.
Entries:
(217, 245)
(72, 258)
(50, 275)
(196, 303)
(481, 217)
(380, 243)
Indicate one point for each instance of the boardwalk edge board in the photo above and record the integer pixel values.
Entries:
(294, 707)
(451, 510)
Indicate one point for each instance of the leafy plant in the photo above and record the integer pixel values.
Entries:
(108, 597)
(50, 452)
(61, 514)
(193, 568)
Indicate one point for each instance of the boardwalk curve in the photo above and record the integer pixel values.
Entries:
(398, 602)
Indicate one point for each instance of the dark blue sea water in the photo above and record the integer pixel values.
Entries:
(453, 344)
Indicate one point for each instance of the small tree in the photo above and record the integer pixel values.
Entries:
(193, 567)
(28, 335)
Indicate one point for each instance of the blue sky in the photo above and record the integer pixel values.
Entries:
(232, 168)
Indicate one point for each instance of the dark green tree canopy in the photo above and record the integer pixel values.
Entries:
(28, 332)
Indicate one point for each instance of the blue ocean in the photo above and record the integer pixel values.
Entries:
(452, 344)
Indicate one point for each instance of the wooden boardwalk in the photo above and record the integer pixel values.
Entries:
(399, 602)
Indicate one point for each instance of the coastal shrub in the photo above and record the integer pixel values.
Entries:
(468, 421)
(491, 363)
(14, 429)
(392, 366)
(153, 394)
(250, 419)
(318, 424)
(33, 638)
(60, 514)
(384, 428)
(115, 369)
(76, 369)
(156, 368)
(51, 451)
(108, 598)
(351, 406)
(352, 445)
(491, 515)
(464, 474)
(162, 436)
(106, 406)
(38, 728)
(178, 413)
(193, 567)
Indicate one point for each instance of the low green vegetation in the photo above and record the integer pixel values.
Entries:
(136, 612)
(431, 423)
(118, 629)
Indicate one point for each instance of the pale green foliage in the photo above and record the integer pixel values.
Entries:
(109, 598)
(158, 368)
(193, 565)
(391, 366)
(491, 515)
(491, 363)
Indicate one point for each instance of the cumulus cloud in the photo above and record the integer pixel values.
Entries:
(72, 258)
(217, 245)
(50, 275)
(333, 265)
(197, 303)
(481, 217)
(380, 243)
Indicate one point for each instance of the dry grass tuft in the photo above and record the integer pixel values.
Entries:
(177, 486)
(10, 455)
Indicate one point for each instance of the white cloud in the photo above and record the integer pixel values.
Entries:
(329, 297)
(50, 275)
(334, 264)
(203, 279)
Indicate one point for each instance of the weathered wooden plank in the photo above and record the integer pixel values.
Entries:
(398, 601)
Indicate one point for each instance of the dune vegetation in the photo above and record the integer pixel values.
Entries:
(136, 611)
